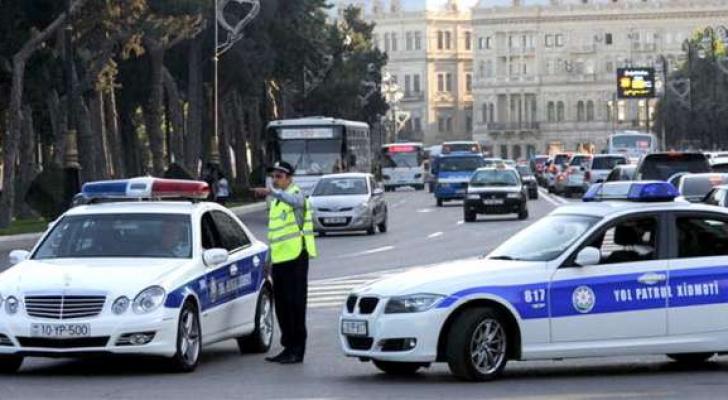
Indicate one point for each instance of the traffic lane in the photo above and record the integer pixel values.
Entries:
(10, 243)
(326, 373)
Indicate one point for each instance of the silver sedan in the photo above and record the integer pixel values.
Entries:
(349, 202)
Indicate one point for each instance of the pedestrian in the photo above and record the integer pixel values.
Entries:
(222, 189)
(291, 239)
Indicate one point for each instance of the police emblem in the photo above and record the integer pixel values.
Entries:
(256, 261)
(583, 299)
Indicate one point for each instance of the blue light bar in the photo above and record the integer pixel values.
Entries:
(642, 191)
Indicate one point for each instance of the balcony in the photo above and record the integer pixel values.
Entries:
(413, 97)
(512, 126)
(644, 47)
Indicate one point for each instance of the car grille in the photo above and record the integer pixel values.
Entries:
(5, 341)
(63, 343)
(367, 305)
(360, 343)
(64, 306)
(350, 303)
(348, 220)
(486, 196)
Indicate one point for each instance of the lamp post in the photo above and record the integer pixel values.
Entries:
(71, 166)
(392, 94)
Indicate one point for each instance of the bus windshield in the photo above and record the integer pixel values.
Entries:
(312, 157)
(642, 142)
(406, 156)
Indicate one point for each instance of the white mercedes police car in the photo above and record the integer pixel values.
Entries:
(160, 278)
(639, 275)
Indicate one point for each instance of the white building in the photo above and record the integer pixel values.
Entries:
(545, 76)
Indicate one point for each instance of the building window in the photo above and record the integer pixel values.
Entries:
(440, 40)
(489, 69)
(394, 42)
(448, 82)
(375, 40)
(481, 43)
(610, 111)
(530, 151)
(448, 40)
(408, 41)
(448, 122)
(407, 82)
(491, 112)
(481, 70)
(441, 124)
(418, 124)
(559, 40)
(416, 84)
(440, 82)
(516, 151)
(489, 42)
(580, 111)
(510, 42)
(504, 151)
(590, 110)
(468, 123)
(551, 111)
(386, 43)
(484, 113)
(549, 41)
(418, 41)
(468, 41)
(560, 111)
(621, 111)
(468, 83)
(608, 39)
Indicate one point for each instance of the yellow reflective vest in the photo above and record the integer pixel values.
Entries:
(286, 238)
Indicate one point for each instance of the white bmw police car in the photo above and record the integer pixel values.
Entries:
(160, 278)
(642, 275)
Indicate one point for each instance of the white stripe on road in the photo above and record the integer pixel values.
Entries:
(434, 235)
(425, 210)
(377, 250)
(333, 304)
(548, 198)
(461, 222)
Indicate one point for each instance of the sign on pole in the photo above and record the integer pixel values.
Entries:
(635, 83)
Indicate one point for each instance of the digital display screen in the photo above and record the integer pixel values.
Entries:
(306, 133)
(635, 83)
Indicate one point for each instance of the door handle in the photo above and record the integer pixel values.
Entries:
(233, 269)
(652, 278)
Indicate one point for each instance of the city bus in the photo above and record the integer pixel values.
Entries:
(632, 144)
(403, 164)
(316, 146)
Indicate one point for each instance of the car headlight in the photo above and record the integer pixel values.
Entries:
(412, 303)
(363, 207)
(120, 305)
(148, 300)
(473, 197)
(11, 305)
(513, 195)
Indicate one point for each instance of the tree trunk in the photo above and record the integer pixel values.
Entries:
(226, 131)
(176, 118)
(99, 136)
(87, 154)
(58, 115)
(154, 108)
(26, 162)
(195, 106)
(129, 141)
(111, 121)
(240, 144)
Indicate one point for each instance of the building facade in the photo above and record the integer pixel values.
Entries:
(430, 56)
(545, 76)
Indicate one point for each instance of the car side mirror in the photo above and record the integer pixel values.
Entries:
(588, 256)
(600, 180)
(17, 256)
(215, 257)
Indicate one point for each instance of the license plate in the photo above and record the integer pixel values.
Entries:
(354, 328)
(335, 220)
(493, 202)
(60, 330)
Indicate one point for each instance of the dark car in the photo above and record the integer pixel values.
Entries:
(622, 173)
(529, 180)
(496, 190)
(662, 166)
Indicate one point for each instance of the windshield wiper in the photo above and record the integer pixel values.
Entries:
(507, 258)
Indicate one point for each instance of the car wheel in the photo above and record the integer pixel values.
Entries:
(372, 229)
(189, 340)
(383, 226)
(10, 364)
(691, 358)
(398, 368)
(439, 202)
(477, 346)
(551, 189)
(469, 216)
(523, 214)
(262, 337)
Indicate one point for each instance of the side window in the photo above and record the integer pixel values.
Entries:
(716, 197)
(210, 235)
(232, 235)
(612, 176)
(630, 240)
(702, 237)
(372, 185)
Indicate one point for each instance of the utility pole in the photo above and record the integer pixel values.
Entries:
(71, 166)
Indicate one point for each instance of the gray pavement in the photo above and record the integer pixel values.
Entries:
(420, 233)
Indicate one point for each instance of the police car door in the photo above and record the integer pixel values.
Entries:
(623, 296)
(698, 273)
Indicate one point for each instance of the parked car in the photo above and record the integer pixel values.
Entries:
(661, 166)
(695, 187)
(529, 180)
(348, 202)
(622, 173)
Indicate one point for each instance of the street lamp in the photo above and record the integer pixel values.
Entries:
(392, 94)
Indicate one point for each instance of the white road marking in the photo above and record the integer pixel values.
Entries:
(434, 235)
(461, 222)
(425, 210)
(548, 198)
(377, 250)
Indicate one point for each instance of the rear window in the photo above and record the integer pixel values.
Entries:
(663, 166)
(580, 161)
(561, 159)
(720, 168)
(697, 187)
(607, 162)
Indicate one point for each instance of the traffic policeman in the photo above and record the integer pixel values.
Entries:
(291, 239)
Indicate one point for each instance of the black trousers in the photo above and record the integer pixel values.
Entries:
(290, 292)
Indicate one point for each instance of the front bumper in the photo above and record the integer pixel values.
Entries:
(354, 221)
(423, 327)
(105, 333)
(509, 206)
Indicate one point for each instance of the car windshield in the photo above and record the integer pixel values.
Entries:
(695, 188)
(580, 161)
(118, 236)
(341, 187)
(456, 164)
(494, 177)
(524, 170)
(312, 157)
(607, 162)
(663, 166)
(546, 239)
(561, 159)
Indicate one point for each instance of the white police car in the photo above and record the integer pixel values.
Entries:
(160, 278)
(600, 278)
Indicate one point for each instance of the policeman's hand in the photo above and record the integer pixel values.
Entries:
(260, 192)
